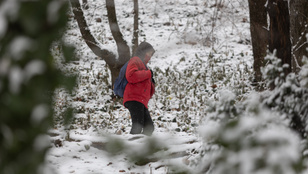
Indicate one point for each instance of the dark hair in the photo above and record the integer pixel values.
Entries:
(142, 49)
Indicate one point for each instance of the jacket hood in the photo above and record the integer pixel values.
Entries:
(142, 49)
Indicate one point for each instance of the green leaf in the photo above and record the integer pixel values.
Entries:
(68, 53)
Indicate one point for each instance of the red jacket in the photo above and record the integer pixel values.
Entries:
(140, 87)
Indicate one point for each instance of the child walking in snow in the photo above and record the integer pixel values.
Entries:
(140, 89)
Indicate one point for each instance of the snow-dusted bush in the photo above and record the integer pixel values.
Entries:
(256, 141)
(273, 72)
(257, 144)
(247, 137)
(183, 93)
(290, 95)
(224, 108)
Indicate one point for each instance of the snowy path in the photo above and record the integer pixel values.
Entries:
(82, 153)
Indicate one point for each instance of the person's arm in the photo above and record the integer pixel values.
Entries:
(134, 75)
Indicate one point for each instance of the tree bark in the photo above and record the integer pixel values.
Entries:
(92, 43)
(259, 34)
(279, 36)
(279, 40)
(123, 48)
(136, 26)
(299, 30)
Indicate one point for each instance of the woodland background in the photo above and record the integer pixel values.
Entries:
(231, 77)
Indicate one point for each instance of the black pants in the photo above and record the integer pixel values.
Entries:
(141, 119)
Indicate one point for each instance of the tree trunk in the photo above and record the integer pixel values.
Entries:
(259, 34)
(136, 26)
(92, 43)
(123, 48)
(279, 40)
(279, 36)
(299, 30)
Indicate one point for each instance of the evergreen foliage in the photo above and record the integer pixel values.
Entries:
(257, 140)
(290, 95)
(28, 79)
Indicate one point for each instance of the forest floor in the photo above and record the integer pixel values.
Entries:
(182, 32)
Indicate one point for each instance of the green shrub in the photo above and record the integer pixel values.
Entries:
(28, 79)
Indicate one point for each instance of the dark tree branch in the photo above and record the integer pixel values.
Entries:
(92, 43)
(123, 48)
(136, 26)
(279, 36)
(85, 4)
(299, 30)
(259, 34)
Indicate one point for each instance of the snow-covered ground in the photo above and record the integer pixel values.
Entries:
(185, 34)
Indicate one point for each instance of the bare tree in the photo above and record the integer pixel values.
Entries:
(136, 25)
(280, 41)
(123, 49)
(284, 26)
(279, 35)
(259, 34)
(299, 30)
